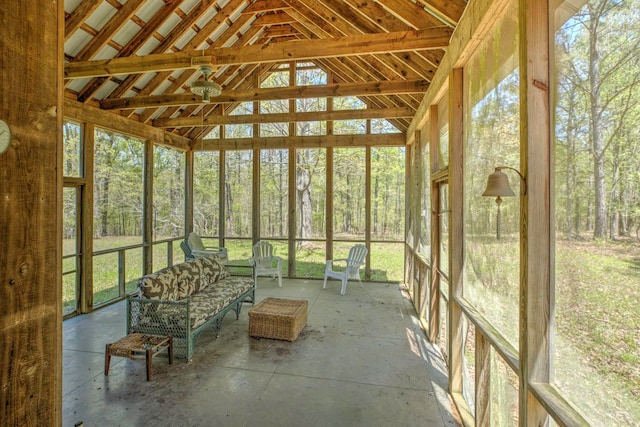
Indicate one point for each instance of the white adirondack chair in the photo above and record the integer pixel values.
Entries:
(354, 261)
(263, 262)
(198, 249)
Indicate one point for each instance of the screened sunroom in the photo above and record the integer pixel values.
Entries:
(485, 153)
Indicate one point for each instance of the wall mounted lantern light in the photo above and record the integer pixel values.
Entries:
(498, 187)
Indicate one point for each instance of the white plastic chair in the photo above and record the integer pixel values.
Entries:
(262, 262)
(354, 261)
(198, 249)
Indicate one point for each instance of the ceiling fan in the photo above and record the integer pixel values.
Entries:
(206, 88)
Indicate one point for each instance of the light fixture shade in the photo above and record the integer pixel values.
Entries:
(498, 185)
(205, 88)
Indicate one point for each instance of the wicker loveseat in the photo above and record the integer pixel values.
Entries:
(184, 300)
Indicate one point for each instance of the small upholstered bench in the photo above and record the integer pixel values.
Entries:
(184, 300)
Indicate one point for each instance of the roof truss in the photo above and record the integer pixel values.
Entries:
(138, 58)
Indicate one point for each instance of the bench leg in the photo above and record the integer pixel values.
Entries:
(170, 350)
(149, 361)
(107, 359)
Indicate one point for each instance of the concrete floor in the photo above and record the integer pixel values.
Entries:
(360, 361)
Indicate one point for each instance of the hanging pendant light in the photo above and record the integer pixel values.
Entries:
(206, 88)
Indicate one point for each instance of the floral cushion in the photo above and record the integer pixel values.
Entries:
(189, 277)
(182, 280)
(161, 285)
(212, 270)
(210, 301)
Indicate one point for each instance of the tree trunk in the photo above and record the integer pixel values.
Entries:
(303, 187)
(615, 193)
(596, 125)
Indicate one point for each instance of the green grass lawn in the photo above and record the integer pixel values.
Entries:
(597, 321)
(598, 327)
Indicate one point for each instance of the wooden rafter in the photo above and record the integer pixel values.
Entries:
(78, 16)
(106, 33)
(320, 22)
(449, 11)
(260, 6)
(325, 23)
(175, 34)
(132, 47)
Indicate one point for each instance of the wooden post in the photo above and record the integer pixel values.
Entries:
(255, 197)
(536, 296)
(456, 235)
(222, 232)
(122, 274)
(292, 213)
(434, 297)
(30, 214)
(292, 193)
(188, 191)
(329, 203)
(483, 381)
(147, 212)
(416, 185)
(367, 209)
(329, 185)
(255, 208)
(408, 251)
(416, 151)
(86, 219)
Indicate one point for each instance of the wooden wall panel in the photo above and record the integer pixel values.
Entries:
(30, 214)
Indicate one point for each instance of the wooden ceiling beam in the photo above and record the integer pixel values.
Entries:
(410, 13)
(382, 17)
(241, 80)
(324, 18)
(222, 19)
(356, 19)
(266, 94)
(278, 39)
(350, 74)
(348, 71)
(377, 113)
(85, 113)
(351, 17)
(316, 27)
(319, 141)
(280, 31)
(432, 38)
(279, 18)
(260, 6)
(338, 26)
(448, 11)
(374, 70)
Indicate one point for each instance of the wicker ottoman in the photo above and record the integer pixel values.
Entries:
(278, 319)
